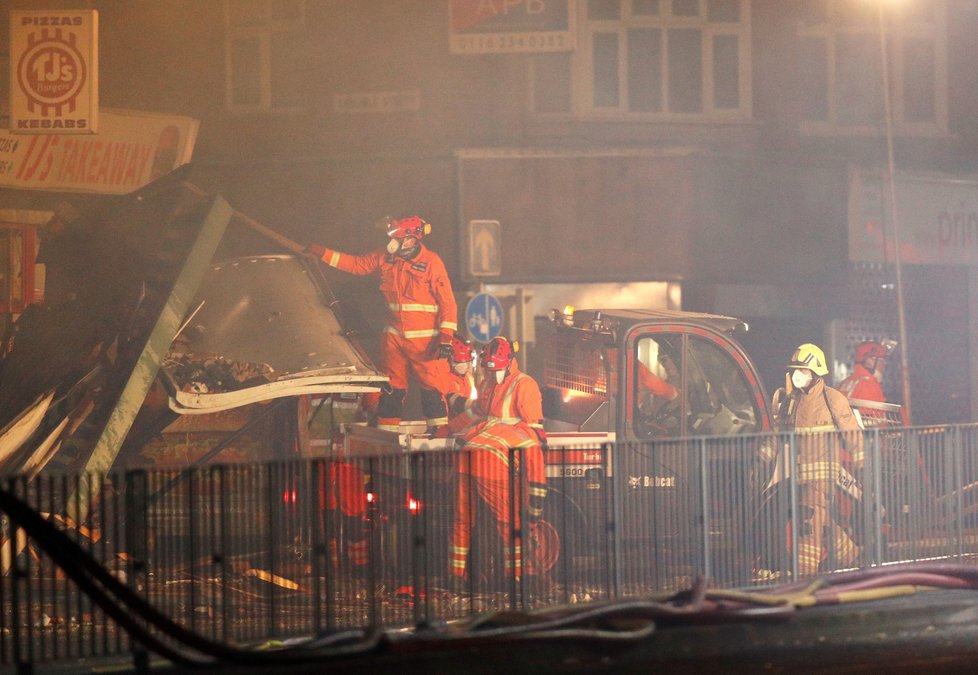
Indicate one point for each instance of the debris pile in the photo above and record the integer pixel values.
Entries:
(210, 373)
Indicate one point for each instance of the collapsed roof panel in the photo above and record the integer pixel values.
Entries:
(261, 328)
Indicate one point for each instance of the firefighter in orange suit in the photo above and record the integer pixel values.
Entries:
(823, 461)
(504, 424)
(865, 382)
(422, 317)
(462, 391)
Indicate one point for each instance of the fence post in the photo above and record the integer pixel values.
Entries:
(704, 510)
(876, 459)
(612, 529)
(419, 549)
(515, 543)
(958, 454)
(793, 502)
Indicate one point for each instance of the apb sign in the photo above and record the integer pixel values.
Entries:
(510, 26)
(54, 72)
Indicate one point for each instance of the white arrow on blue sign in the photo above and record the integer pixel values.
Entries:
(484, 317)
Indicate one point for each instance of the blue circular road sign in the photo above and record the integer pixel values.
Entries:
(484, 317)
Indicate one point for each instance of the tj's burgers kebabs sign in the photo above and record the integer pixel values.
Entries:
(54, 72)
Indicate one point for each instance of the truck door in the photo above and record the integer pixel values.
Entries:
(704, 385)
(690, 383)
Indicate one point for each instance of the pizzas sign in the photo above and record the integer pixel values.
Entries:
(54, 72)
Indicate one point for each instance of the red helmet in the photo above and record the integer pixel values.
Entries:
(868, 350)
(412, 226)
(462, 350)
(498, 354)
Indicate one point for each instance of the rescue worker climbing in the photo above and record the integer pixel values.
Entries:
(422, 317)
(501, 432)
(865, 383)
(824, 461)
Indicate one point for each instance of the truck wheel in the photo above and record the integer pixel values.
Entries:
(544, 548)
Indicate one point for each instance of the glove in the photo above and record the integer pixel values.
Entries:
(441, 432)
(445, 350)
(315, 249)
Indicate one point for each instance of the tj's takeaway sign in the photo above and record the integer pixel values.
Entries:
(54, 72)
(131, 149)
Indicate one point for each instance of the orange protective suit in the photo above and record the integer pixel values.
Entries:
(422, 314)
(503, 432)
(655, 384)
(862, 385)
(343, 490)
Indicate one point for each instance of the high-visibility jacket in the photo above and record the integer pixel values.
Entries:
(419, 296)
(461, 393)
(504, 423)
(516, 401)
(863, 386)
(343, 489)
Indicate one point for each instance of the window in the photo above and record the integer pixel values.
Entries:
(263, 48)
(840, 64)
(656, 386)
(651, 59)
(711, 399)
(720, 400)
(17, 250)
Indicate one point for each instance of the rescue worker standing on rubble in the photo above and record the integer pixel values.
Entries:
(422, 317)
(500, 432)
(823, 460)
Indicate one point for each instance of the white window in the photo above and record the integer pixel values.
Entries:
(652, 59)
(263, 58)
(840, 57)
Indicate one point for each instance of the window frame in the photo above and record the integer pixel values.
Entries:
(263, 30)
(581, 71)
(25, 265)
(897, 33)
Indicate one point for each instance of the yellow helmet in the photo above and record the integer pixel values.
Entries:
(811, 357)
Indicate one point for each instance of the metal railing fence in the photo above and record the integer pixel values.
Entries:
(241, 554)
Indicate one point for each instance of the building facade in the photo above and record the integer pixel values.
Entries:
(719, 145)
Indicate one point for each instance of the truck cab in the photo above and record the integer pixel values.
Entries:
(644, 374)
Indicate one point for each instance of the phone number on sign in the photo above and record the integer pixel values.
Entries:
(511, 42)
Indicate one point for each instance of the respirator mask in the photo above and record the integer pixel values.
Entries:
(801, 378)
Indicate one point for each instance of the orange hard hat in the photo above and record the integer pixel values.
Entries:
(498, 354)
(412, 226)
(869, 349)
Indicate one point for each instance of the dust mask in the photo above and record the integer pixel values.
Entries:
(500, 376)
(801, 378)
(461, 368)
(393, 246)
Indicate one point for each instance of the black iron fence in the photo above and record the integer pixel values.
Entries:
(242, 554)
